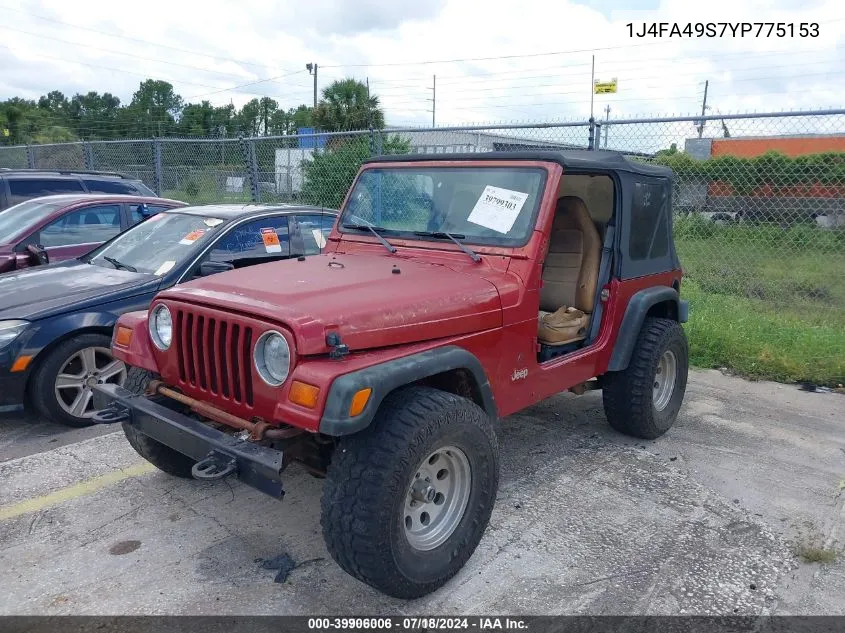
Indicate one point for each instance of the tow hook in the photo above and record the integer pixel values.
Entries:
(214, 466)
(112, 413)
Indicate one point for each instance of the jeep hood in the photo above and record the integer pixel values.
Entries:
(361, 297)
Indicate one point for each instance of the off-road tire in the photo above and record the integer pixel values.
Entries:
(41, 390)
(162, 457)
(628, 394)
(368, 482)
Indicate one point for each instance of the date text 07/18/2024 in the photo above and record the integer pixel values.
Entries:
(417, 623)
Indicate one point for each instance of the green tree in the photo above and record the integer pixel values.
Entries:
(156, 106)
(95, 116)
(300, 117)
(328, 175)
(347, 106)
(23, 119)
(288, 122)
(267, 108)
(198, 119)
(54, 134)
(249, 118)
(57, 106)
(673, 149)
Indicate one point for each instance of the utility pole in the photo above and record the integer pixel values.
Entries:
(433, 98)
(703, 109)
(607, 118)
(592, 86)
(312, 69)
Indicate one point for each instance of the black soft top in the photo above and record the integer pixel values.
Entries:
(568, 159)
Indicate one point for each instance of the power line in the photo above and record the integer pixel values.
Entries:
(565, 92)
(246, 85)
(628, 79)
(523, 56)
(492, 76)
(118, 70)
(175, 81)
(134, 39)
(108, 50)
(497, 57)
(495, 76)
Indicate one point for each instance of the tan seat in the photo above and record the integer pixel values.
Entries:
(570, 274)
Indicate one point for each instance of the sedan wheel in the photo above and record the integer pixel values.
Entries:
(62, 385)
(80, 373)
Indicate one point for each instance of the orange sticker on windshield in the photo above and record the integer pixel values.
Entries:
(192, 237)
(271, 241)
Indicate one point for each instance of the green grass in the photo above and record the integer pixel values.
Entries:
(817, 554)
(812, 549)
(766, 302)
(757, 340)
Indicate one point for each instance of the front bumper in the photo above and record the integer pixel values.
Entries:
(257, 466)
(12, 388)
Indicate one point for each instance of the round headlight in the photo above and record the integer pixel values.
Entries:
(161, 327)
(272, 358)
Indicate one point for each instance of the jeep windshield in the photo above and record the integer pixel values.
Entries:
(158, 244)
(495, 206)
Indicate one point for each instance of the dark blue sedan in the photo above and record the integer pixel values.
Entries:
(56, 321)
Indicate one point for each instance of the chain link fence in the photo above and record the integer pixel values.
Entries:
(753, 228)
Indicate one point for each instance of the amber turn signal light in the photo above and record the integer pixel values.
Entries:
(21, 363)
(303, 394)
(359, 401)
(123, 336)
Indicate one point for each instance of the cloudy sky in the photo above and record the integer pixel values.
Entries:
(519, 60)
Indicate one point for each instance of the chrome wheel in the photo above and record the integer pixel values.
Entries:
(664, 380)
(79, 373)
(437, 498)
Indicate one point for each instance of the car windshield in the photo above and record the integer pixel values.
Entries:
(17, 219)
(158, 244)
(481, 205)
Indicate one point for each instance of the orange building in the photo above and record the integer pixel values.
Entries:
(792, 146)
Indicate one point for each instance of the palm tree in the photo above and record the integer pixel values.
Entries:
(346, 105)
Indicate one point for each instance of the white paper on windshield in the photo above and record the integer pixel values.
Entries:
(497, 208)
(165, 267)
(212, 222)
(319, 237)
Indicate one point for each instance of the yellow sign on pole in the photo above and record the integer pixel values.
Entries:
(604, 87)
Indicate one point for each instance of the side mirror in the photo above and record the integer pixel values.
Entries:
(212, 268)
(37, 255)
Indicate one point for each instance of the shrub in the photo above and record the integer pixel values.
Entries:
(772, 168)
(328, 175)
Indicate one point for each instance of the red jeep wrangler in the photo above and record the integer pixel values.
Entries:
(454, 290)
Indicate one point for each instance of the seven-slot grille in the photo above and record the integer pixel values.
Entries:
(214, 355)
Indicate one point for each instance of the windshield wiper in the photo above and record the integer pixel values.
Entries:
(455, 237)
(375, 231)
(119, 264)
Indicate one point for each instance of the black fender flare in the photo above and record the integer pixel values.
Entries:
(632, 322)
(383, 378)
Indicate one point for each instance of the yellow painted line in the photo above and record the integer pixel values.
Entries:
(73, 492)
